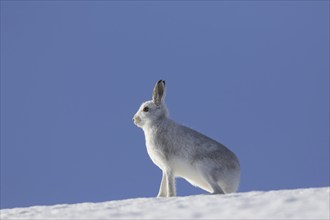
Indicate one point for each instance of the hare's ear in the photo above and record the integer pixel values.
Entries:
(158, 94)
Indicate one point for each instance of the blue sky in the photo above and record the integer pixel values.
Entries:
(253, 75)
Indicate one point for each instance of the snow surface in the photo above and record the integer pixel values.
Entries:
(310, 203)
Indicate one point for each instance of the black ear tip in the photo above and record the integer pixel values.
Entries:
(161, 81)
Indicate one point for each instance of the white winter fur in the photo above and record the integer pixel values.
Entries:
(182, 152)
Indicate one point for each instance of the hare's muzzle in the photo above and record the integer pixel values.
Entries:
(136, 119)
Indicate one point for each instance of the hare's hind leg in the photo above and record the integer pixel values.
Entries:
(216, 188)
(210, 176)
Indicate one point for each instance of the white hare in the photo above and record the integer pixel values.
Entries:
(182, 152)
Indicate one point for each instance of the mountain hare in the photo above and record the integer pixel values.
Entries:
(182, 152)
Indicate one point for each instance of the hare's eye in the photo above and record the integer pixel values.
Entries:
(146, 109)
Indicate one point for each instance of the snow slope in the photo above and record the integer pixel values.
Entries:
(310, 203)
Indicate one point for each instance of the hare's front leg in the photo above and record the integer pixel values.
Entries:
(163, 189)
(170, 184)
(167, 186)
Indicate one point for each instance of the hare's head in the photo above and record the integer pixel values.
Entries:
(154, 110)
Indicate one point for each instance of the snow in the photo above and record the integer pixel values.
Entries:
(311, 203)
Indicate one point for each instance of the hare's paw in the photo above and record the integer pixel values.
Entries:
(161, 194)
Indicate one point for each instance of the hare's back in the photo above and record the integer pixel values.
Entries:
(203, 147)
(201, 141)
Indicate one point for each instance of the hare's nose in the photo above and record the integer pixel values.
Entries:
(136, 119)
